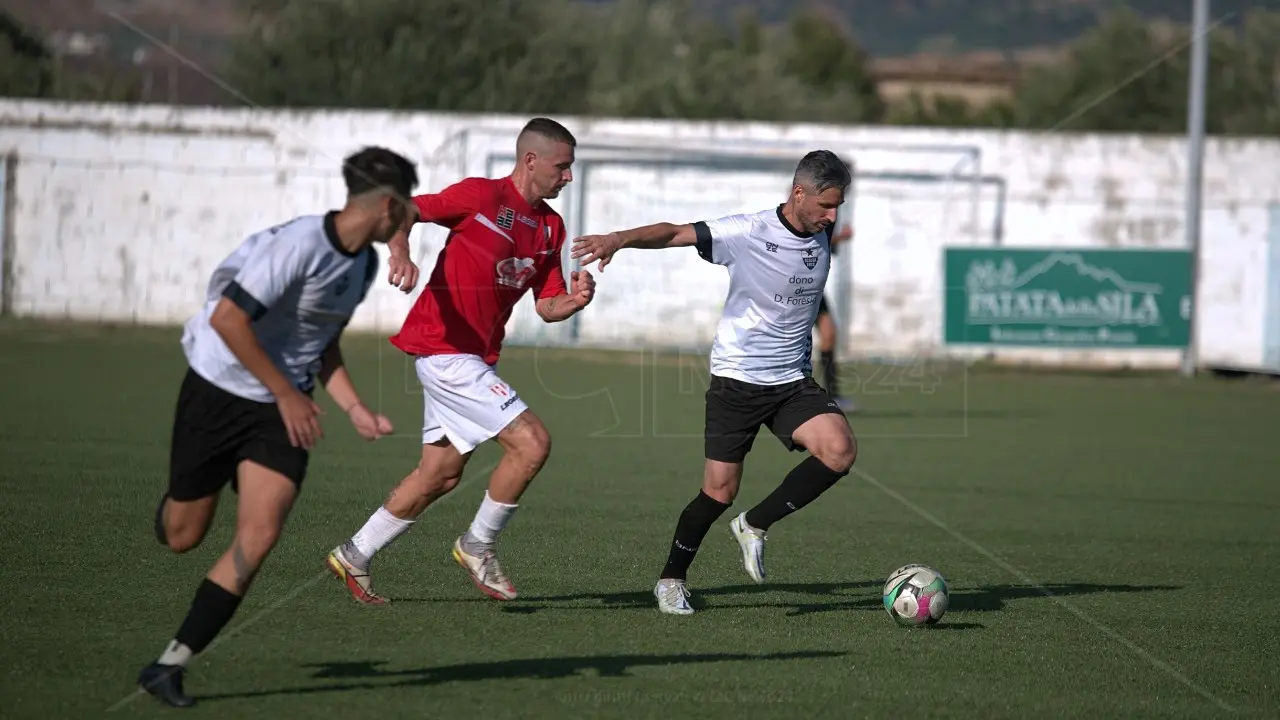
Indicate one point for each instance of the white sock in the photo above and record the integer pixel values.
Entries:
(490, 519)
(176, 654)
(378, 532)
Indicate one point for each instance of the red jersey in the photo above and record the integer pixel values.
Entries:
(498, 247)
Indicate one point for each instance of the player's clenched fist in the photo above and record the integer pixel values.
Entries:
(368, 424)
(590, 248)
(402, 273)
(582, 288)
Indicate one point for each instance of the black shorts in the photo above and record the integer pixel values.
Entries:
(213, 431)
(737, 409)
(822, 306)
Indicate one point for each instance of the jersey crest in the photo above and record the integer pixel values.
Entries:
(515, 272)
(810, 260)
(506, 218)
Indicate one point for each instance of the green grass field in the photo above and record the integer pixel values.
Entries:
(1111, 544)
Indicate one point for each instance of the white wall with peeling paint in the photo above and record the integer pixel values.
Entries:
(118, 213)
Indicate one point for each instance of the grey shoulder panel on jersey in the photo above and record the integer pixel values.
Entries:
(702, 233)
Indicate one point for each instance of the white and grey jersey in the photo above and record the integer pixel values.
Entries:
(299, 286)
(776, 278)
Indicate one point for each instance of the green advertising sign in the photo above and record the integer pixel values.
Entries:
(1067, 298)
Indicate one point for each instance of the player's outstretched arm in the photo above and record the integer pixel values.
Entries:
(590, 248)
(297, 410)
(337, 382)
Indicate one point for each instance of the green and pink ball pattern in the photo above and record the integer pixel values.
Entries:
(916, 595)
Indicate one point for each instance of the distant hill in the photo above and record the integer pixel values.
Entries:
(902, 27)
(883, 27)
(200, 30)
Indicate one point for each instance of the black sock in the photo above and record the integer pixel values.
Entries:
(829, 372)
(695, 522)
(802, 486)
(210, 611)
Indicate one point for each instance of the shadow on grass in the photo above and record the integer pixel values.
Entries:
(367, 675)
(814, 598)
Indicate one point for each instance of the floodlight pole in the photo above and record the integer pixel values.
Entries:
(1195, 168)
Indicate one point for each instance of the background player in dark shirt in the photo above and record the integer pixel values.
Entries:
(828, 334)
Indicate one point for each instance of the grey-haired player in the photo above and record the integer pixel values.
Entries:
(761, 362)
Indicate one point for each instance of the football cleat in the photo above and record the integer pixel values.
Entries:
(357, 579)
(673, 597)
(165, 682)
(751, 542)
(485, 572)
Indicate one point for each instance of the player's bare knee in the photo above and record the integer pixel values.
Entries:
(183, 532)
(185, 524)
(720, 489)
(255, 540)
(838, 453)
(183, 539)
(538, 448)
(531, 459)
(449, 484)
(426, 482)
(438, 472)
(529, 442)
(421, 488)
(721, 481)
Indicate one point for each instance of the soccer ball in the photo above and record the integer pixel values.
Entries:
(916, 595)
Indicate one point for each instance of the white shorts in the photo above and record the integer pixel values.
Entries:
(464, 400)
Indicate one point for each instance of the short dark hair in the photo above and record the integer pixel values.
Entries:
(822, 170)
(551, 130)
(373, 168)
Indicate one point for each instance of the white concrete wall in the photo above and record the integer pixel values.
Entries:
(119, 213)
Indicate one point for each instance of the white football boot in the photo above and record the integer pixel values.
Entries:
(673, 597)
(751, 542)
(485, 572)
(355, 577)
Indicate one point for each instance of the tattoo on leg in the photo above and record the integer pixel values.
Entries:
(515, 425)
(244, 569)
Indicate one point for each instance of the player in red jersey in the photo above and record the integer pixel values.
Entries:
(504, 240)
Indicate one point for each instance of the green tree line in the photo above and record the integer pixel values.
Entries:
(665, 59)
(28, 69)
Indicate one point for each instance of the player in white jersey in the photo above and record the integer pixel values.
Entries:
(274, 311)
(761, 369)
